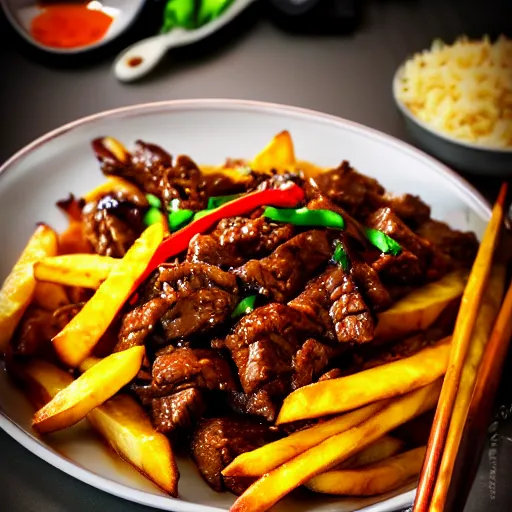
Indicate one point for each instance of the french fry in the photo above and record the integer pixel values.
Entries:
(83, 270)
(114, 184)
(76, 341)
(128, 430)
(121, 422)
(50, 296)
(378, 478)
(384, 381)
(279, 154)
(88, 363)
(420, 309)
(19, 286)
(264, 459)
(91, 389)
(383, 448)
(273, 486)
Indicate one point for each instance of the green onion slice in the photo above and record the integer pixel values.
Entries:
(152, 216)
(305, 217)
(154, 201)
(340, 256)
(244, 307)
(216, 201)
(383, 242)
(179, 218)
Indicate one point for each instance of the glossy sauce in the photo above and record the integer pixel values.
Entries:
(69, 25)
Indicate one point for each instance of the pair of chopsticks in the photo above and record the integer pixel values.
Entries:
(448, 490)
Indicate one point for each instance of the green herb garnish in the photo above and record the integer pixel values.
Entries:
(153, 201)
(305, 217)
(244, 307)
(179, 218)
(340, 256)
(152, 216)
(383, 242)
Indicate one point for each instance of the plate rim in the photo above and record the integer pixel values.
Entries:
(35, 446)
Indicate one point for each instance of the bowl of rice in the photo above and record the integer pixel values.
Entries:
(456, 100)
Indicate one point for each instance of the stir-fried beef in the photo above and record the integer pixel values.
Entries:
(309, 361)
(238, 239)
(411, 209)
(281, 275)
(333, 300)
(404, 268)
(370, 285)
(263, 343)
(356, 193)
(217, 442)
(461, 247)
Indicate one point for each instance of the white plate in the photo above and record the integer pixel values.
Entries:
(209, 131)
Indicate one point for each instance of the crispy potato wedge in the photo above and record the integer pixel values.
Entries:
(383, 448)
(128, 430)
(121, 422)
(76, 341)
(279, 154)
(271, 487)
(83, 270)
(270, 456)
(73, 240)
(92, 388)
(378, 478)
(88, 363)
(50, 296)
(420, 309)
(18, 288)
(384, 381)
(114, 185)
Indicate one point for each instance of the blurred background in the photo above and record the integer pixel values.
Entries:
(339, 57)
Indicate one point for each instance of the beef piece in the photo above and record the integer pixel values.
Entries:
(279, 180)
(140, 322)
(370, 285)
(333, 300)
(309, 361)
(111, 225)
(199, 297)
(204, 368)
(237, 239)
(177, 411)
(65, 314)
(401, 269)
(263, 343)
(411, 209)
(218, 441)
(356, 193)
(34, 333)
(281, 275)
(461, 247)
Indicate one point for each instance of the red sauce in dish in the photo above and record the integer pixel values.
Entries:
(69, 26)
(134, 62)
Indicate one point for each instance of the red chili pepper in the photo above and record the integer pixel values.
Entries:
(178, 242)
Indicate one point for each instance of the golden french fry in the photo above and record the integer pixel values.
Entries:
(383, 448)
(76, 341)
(378, 478)
(264, 459)
(271, 487)
(121, 421)
(73, 240)
(83, 270)
(377, 383)
(18, 288)
(88, 363)
(421, 308)
(279, 154)
(487, 314)
(50, 296)
(91, 389)
(128, 430)
(114, 184)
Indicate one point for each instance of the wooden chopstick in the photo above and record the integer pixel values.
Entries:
(480, 409)
(466, 319)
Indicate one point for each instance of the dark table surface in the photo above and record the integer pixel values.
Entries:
(349, 76)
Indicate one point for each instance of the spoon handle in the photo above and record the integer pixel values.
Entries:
(140, 58)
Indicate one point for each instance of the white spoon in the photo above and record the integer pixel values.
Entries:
(142, 57)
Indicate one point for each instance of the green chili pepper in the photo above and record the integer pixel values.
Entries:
(305, 217)
(244, 307)
(340, 256)
(153, 216)
(154, 201)
(179, 218)
(215, 202)
(383, 242)
(210, 10)
(179, 13)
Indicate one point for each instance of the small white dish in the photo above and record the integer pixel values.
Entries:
(20, 14)
(140, 58)
(460, 155)
(209, 131)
